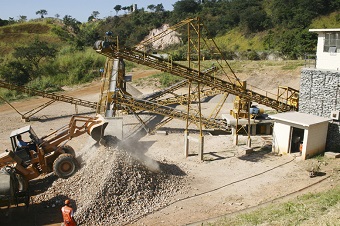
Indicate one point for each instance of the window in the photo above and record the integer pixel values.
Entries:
(332, 42)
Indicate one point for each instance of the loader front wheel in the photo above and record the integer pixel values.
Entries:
(65, 166)
(69, 150)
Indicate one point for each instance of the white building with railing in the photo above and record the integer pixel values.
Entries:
(328, 48)
(320, 87)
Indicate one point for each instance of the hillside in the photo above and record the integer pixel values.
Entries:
(260, 25)
(17, 35)
(45, 55)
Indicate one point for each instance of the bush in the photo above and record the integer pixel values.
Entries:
(78, 67)
(16, 72)
(46, 84)
(10, 95)
(253, 55)
(229, 55)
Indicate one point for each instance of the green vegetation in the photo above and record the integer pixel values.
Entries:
(11, 95)
(18, 35)
(37, 54)
(309, 209)
(167, 79)
(328, 21)
(48, 53)
(42, 66)
(238, 25)
(292, 65)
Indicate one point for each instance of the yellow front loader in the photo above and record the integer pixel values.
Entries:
(43, 155)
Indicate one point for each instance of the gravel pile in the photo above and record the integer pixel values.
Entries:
(115, 187)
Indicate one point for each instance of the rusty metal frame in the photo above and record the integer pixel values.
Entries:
(27, 116)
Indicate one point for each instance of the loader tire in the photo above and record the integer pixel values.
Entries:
(69, 150)
(65, 166)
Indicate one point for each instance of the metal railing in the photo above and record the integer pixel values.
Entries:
(310, 61)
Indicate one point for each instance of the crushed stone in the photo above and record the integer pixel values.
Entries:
(114, 186)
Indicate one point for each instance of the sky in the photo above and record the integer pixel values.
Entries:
(78, 9)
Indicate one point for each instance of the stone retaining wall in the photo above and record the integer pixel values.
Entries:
(319, 95)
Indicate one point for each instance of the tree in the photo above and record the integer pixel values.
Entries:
(95, 14)
(71, 23)
(184, 9)
(42, 13)
(22, 18)
(117, 8)
(87, 36)
(3, 22)
(254, 19)
(17, 72)
(57, 16)
(35, 52)
(11, 20)
(159, 8)
(125, 8)
(62, 33)
(151, 7)
(298, 14)
(186, 6)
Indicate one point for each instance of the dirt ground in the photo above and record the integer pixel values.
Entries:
(227, 181)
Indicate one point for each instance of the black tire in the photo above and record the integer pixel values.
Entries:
(65, 166)
(23, 193)
(69, 150)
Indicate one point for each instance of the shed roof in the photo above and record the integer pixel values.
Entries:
(299, 118)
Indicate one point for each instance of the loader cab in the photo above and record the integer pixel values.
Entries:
(28, 135)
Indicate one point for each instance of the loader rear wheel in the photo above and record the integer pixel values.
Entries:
(69, 150)
(65, 166)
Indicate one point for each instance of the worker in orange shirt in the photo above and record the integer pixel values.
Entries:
(67, 212)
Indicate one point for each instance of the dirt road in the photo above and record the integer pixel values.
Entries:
(226, 181)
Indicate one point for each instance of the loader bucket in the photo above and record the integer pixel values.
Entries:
(97, 128)
(5, 184)
(6, 188)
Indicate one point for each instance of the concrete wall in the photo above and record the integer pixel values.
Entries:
(319, 95)
(281, 138)
(316, 140)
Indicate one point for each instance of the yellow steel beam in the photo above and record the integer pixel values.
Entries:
(53, 96)
(145, 105)
(270, 100)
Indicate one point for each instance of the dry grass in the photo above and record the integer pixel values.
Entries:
(36, 28)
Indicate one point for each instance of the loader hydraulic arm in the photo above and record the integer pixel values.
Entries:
(94, 126)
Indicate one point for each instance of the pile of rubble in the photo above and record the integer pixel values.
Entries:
(115, 187)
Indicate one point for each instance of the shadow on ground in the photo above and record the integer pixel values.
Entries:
(259, 155)
(44, 213)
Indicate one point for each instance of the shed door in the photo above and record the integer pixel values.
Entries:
(296, 139)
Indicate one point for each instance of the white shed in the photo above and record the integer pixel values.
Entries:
(296, 132)
(328, 48)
